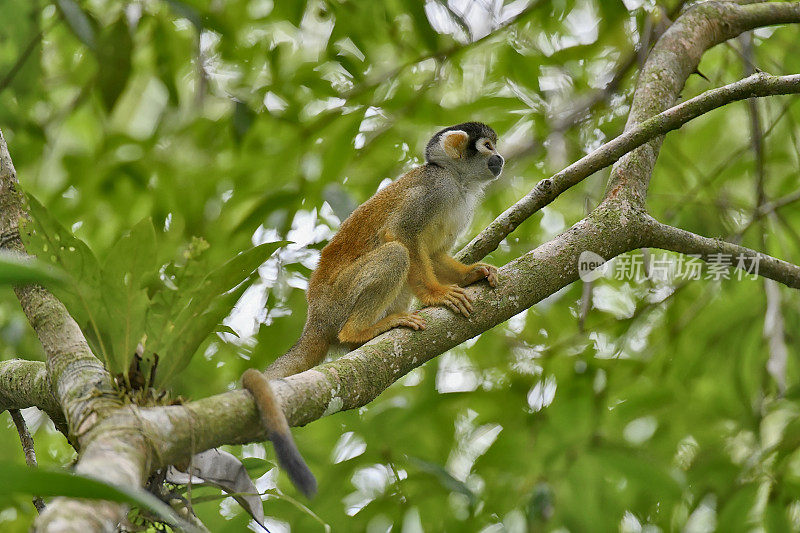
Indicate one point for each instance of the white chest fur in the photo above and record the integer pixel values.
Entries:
(453, 220)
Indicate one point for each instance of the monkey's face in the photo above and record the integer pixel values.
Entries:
(494, 161)
(468, 150)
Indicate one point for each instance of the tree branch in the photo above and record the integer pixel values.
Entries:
(675, 56)
(137, 440)
(26, 53)
(27, 447)
(773, 330)
(547, 190)
(79, 382)
(718, 251)
(360, 376)
(24, 384)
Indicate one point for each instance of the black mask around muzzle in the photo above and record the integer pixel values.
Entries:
(495, 164)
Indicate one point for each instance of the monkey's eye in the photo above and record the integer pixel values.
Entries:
(488, 145)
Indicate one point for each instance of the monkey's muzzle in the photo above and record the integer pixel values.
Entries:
(495, 164)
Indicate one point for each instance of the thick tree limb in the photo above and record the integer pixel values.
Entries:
(24, 384)
(547, 190)
(360, 376)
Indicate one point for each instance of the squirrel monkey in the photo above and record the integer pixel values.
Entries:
(392, 247)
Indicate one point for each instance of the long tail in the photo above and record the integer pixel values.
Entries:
(307, 352)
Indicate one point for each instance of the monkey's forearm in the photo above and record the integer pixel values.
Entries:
(430, 290)
(421, 276)
(450, 270)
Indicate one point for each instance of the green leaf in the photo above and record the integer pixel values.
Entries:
(243, 118)
(257, 467)
(265, 205)
(130, 262)
(444, 478)
(186, 11)
(15, 270)
(222, 328)
(640, 471)
(736, 513)
(421, 24)
(339, 152)
(775, 519)
(291, 11)
(78, 21)
(166, 59)
(83, 296)
(208, 304)
(40, 482)
(114, 57)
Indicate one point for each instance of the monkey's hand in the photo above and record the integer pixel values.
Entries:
(452, 296)
(481, 271)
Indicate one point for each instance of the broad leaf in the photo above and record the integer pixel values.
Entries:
(203, 307)
(222, 469)
(83, 296)
(114, 58)
(129, 263)
(15, 270)
(40, 482)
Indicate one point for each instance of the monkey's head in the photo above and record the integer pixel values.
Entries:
(468, 149)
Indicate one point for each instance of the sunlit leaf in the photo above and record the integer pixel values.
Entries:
(208, 303)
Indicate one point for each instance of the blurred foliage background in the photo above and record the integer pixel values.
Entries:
(635, 405)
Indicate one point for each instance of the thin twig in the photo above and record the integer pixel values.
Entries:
(711, 177)
(26, 53)
(26, 440)
(773, 317)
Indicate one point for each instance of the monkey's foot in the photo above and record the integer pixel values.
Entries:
(452, 296)
(483, 271)
(354, 335)
(408, 320)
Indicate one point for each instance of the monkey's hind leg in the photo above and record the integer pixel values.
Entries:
(377, 281)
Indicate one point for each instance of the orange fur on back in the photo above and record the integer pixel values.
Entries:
(362, 231)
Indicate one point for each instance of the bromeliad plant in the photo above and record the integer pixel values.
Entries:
(141, 314)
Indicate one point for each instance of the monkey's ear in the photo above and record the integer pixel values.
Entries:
(454, 143)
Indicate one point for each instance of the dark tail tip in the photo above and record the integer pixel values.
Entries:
(292, 462)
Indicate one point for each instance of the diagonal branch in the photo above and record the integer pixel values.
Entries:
(361, 375)
(673, 59)
(137, 440)
(27, 447)
(547, 190)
